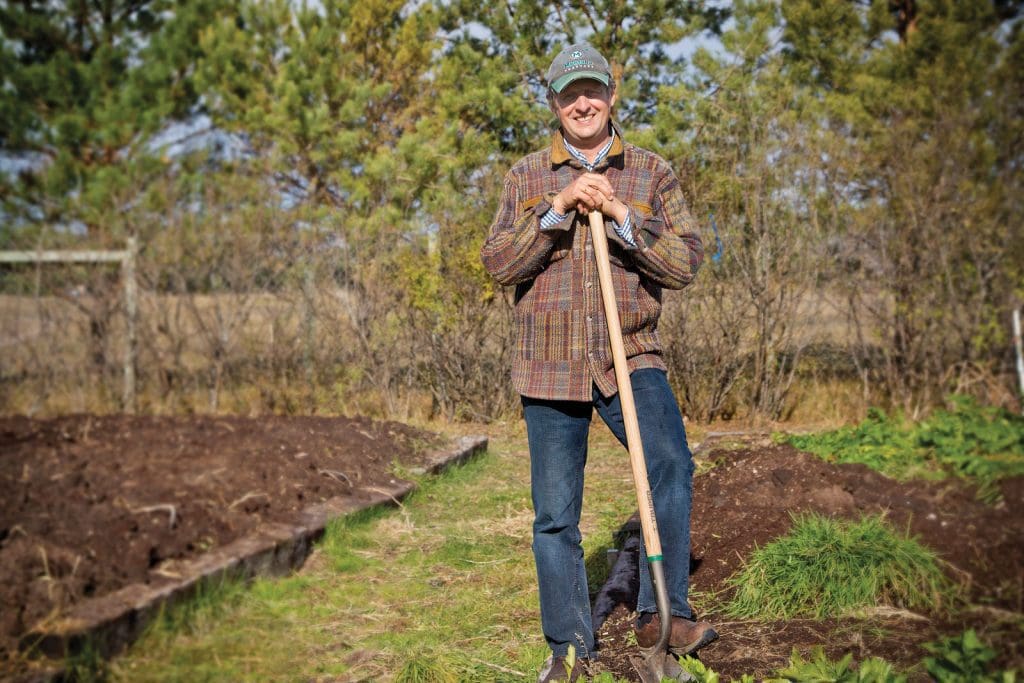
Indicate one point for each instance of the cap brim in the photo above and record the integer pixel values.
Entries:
(559, 83)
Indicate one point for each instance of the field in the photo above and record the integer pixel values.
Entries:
(402, 589)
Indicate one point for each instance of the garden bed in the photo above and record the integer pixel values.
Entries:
(749, 497)
(95, 507)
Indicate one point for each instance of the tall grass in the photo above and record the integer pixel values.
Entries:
(826, 567)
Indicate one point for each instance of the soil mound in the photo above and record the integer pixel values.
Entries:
(748, 499)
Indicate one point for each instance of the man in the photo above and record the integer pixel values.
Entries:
(562, 367)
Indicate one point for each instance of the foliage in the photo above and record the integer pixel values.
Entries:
(829, 140)
(964, 658)
(921, 153)
(85, 85)
(825, 567)
(701, 673)
(982, 444)
(734, 131)
(818, 669)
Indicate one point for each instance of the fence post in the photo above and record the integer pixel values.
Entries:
(131, 314)
(1020, 354)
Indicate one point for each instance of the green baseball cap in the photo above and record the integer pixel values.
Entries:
(575, 62)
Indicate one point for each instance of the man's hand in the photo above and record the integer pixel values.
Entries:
(590, 191)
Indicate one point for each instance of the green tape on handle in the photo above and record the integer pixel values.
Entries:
(655, 558)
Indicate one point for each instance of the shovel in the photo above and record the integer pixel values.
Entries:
(654, 663)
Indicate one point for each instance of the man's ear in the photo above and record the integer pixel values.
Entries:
(614, 96)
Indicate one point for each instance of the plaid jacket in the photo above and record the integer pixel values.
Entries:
(562, 346)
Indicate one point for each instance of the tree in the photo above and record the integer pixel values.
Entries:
(928, 184)
(86, 83)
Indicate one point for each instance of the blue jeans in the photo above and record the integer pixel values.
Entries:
(557, 432)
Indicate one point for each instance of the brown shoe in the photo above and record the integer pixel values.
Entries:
(686, 636)
(555, 671)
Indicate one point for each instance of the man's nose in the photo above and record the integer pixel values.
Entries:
(582, 102)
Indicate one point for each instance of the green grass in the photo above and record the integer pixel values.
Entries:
(826, 567)
(980, 444)
(441, 588)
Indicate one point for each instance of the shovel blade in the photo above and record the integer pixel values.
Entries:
(654, 666)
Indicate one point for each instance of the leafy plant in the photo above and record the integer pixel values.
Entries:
(819, 669)
(964, 658)
(981, 444)
(701, 673)
(825, 567)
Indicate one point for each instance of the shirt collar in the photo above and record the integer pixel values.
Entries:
(562, 151)
(582, 158)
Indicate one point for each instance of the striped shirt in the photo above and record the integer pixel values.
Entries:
(562, 349)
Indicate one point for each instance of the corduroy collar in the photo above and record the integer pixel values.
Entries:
(560, 155)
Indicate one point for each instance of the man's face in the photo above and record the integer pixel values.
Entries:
(583, 108)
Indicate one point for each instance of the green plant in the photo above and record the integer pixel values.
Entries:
(825, 567)
(963, 659)
(819, 669)
(698, 670)
(981, 444)
(428, 668)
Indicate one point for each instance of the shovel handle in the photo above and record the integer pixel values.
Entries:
(645, 500)
(637, 462)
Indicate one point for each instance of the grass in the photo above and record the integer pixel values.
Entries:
(826, 567)
(441, 588)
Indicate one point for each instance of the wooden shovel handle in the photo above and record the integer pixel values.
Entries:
(645, 501)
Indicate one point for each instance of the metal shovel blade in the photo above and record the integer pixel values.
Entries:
(654, 666)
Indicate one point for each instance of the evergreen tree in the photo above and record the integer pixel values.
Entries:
(85, 83)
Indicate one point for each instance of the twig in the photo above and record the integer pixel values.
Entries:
(496, 667)
(160, 571)
(886, 611)
(336, 475)
(386, 493)
(247, 496)
(163, 507)
(46, 563)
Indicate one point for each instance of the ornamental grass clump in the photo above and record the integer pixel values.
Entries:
(826, 567)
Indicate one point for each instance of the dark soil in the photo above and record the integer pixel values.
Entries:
(748, 500)
(91, 504)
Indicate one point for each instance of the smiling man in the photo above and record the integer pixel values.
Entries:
(562, 366)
